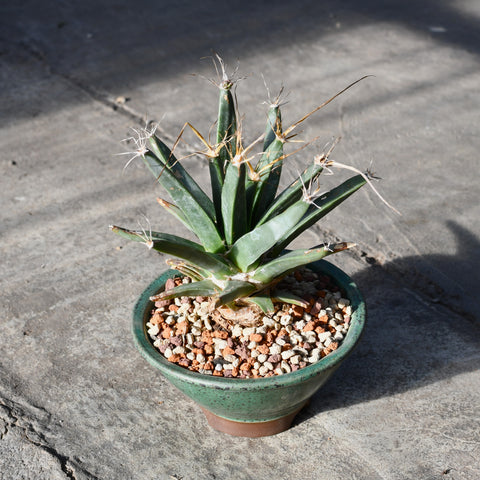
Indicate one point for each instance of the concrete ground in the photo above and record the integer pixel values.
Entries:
(76, 399)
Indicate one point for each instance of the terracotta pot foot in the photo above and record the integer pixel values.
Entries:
(250, 429)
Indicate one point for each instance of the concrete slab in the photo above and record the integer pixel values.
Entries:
(76, 399)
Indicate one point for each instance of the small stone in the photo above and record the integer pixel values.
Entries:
(287, 354)
(275, 348)
(274, 358)
(295, 360)
(256, 337)
(168, 352)
(268, 365)
(262, 358)
(263, 370)
(179, 350)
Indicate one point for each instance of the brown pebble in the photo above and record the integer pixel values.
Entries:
(208, 349)
(184, 362)
(263, 349)
(199, 344)
(181, 328)
(216, 373)
(173, 307)
(169, 284)
(297, 311)
(174, 358)
(309, 326)
(220, 334)
(228, 351)
(256, 337)
(167, 332)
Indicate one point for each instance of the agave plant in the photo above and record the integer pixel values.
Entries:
(245, 226)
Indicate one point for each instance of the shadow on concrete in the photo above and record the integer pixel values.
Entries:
(112, 45)
(406, 348)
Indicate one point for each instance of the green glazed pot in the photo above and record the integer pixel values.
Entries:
(260, 406)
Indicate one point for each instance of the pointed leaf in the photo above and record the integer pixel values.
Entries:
(181, 248)
(167, 158)
(320, 208)
(294, 259)
(292, 193)
(263, 301)
(249, 248)
(204, 288)
(235, 289)
(199, 220)
(270, 169)
(234, 208)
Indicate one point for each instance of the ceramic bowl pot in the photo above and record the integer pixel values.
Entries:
(259, 406)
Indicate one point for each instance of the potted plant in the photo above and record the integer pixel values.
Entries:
(246, 328)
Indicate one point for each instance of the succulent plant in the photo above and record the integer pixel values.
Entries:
(246, 226)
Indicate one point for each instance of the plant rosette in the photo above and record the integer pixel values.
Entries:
(254, 405)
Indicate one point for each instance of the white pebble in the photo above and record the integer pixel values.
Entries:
(280, 341)
(189, 338)
(248, 331)
(285, 367)
(218, 367)
(170, 320)
(275, 349)
(338, 336)
(295, 360)
(279, 371)
(252, 345)
(237, 331)
(263, 370)
(322, 337)
(168, 353)
(268, 365)
(327, 342)
(287, 354)
(200, 358)
(179, 350)
(207, 324)
(153, 331)
(191, 356)
(256, 365)
(262, 358)
(286, 319)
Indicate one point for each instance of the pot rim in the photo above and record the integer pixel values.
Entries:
(144, 306)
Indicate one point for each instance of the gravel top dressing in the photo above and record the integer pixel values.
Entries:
(291, 338)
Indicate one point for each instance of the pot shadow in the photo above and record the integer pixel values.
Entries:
(412, 339)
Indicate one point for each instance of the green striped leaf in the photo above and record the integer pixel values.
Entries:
(293, 260)
(251, 246)
(199, 220)
(319, 209)
(203, 288)
(179, 247)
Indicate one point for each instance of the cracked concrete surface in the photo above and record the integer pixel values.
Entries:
(76, 400)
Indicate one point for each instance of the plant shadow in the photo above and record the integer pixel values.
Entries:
(411, 339)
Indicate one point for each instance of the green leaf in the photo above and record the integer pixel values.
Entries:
(199, 220)
(204, 288)
(180, 247)
(288, 297)
(263, 301)
(291, 261)
(234, 208)
(235, 289)
(274, 124)
(292, 193)
(270, 169)
(320, 207)
(226, 127)
(251, 246)
(168, 159)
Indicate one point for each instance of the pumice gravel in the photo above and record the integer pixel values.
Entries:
(291, 338)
